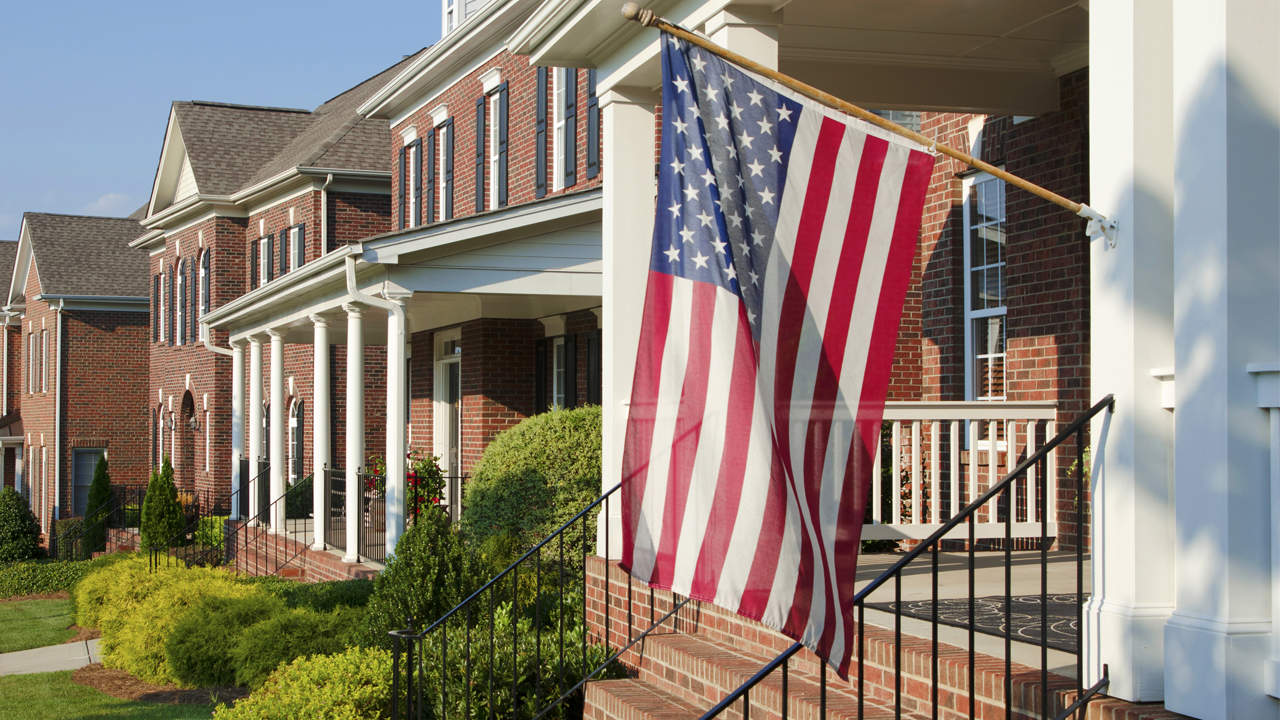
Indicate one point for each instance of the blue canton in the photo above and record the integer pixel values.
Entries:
(726, 141)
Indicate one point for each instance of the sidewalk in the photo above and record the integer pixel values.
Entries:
(68, 656)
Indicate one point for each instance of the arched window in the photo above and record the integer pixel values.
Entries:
(204, 289)
(180, 332)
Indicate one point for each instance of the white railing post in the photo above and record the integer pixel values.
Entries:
(895, 469)
(915, 471)
(956, 504)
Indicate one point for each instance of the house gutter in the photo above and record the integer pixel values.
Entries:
(324, 214)
(57, 421)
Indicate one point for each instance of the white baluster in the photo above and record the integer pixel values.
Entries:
(877, 513)
(1051, 474)
(1031, 472)
(935, 472)
(954, 465)
(973, 461)
(895, 469)
(915, 471)
(1011, 461)
(993, 463)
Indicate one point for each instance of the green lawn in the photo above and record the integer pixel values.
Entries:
(53, 696)
(34, 623)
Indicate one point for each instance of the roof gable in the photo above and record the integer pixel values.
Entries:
(80, 256)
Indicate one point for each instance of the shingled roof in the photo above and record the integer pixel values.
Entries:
(8, 253)
(87, 256)
(233, 147)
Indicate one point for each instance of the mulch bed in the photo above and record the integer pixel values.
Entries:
(118, 683)
(61, 595)
(83, 634)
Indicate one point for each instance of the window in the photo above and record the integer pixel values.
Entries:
(44, 361)
(450, 15)
(297, 250)
(557, 127)
(413, 163)
(164, 307)
(264, 260)
(204, 289)
(444, 170)
(155, 308)
(984, 287)
(495, 143)
(180, 332)
(558, 378)
(31, 362)
(909, 119)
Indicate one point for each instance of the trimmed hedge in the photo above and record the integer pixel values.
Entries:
(40, 577)
(287, 635)
(199, 650)
(322, 596)
(351, 684)
(534, 476)
(19, 532)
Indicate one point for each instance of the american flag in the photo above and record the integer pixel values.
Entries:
(782, 248)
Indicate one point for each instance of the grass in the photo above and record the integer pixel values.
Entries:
(34, 623)
(54, 696)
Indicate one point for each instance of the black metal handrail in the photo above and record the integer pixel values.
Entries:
(274, 545)
(932, 544)
(202, 540)
(69, 544)
(552, 677)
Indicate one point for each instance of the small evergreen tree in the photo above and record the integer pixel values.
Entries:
(95, 532)
(161, 512)
(19, 531)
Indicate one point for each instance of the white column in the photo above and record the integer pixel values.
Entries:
(397, 389)
(355, 427)
(1131, 332)
(1267, 376)
(320, 432)
(747, 30)
(276, 441)
(627, 226)
(255, 425)
(1226, 123)
(237, 426)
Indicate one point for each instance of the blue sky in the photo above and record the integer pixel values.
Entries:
(86, 86)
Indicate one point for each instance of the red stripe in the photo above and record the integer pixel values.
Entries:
(790, 319)
(644, 396)
(875, 385)
(755, 595)
(684, 446)
(835, 338)
(733, 465)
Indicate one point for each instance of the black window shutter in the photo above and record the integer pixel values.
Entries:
(593, 367)
(431, 177)
(570, 126)
(208, 280)
(417, 182)
(540, 137)
(570, 372)
(155, 308)
(253, 264)
(540, 376)
(480, 101)
(284, 251)
(181, 332)
(271, 263)
(169, 311)
(448, 169)
(593, 126)
(404, 194)
(500, 182)
(302, 240)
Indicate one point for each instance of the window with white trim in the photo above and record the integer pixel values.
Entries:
(31, 362)
(180, 334)
(441, 149)
(450, 20)
(204, 290)
(297, 253)
(495, 107)
(557, 128)
(264, 260)
(44, 361)
(164, 307)
(558, 374)
(985, 312)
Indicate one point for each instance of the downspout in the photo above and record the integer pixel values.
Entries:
(208, 342)
(4, 393)
(324, 214)
(57, 421)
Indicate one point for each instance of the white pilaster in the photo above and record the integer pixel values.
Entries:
(1131, 332)
(355, 428)
(397, 388)
(627, 227)
(747, 30)
(276, 441)
(255, 428)
(1226, 115)
(1267, 376)
(320, 432)
(237, 427)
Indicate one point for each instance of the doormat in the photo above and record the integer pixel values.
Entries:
(988, 617)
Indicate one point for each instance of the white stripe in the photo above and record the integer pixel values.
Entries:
(675, 357)
(741, 550)
(706, 464)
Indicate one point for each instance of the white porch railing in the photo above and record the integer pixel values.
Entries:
(936, 457)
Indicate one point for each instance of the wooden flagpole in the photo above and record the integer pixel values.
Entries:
(646, 17)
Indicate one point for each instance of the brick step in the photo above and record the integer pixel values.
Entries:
(631, 699)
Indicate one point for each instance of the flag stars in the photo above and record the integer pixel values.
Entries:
(681, 126)
(722, 122)
(728, 80)
(722, 247)
(757, 238)
(695, 152)
(745, 140)
(775, 154)
(690, 192)
(709, 177)
(731, 271)
(755, 97)
(700, 260)
(756, 168)
(673, 254)
(687, 235)
(698, 62)
(736, 110)
(705, 219)
(765, 126)
(784, 113)
(766, 196)
(681, 84)
(675, 210)
(677, 166)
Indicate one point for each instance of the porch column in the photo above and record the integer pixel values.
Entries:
(237, 427)
(1226, 137)
(255, 426)
(397, 389)
(627, 227)
(355, 428)
(1131, 333)
(277, 430)
(320, 432)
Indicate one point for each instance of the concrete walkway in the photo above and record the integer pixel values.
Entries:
(67, 656)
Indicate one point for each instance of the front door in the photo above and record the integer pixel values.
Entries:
(83, 462)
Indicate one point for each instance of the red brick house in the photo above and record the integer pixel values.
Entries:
(78, 299)
(10, 383)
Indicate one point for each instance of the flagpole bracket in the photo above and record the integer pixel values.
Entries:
(633, 11)
(1099, 225)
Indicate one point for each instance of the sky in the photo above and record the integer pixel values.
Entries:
(85, 87)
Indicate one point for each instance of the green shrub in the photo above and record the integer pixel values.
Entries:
(300, 501)
(199, 650)
(211, 533)
(39, 577)
(19, 532)
(162, 519)
(430, 573)
(290, 634)
(322, 596)
(534, 476)
(125, 582)
(352, 684)
(68, 539)
(95, 535)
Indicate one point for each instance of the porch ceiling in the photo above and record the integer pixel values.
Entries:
(972, 55)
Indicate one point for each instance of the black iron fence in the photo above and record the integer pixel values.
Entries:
(1068, 702)
(202, 538)
(336, 520)
(373, 516)
(280, 531)
(83, 536)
